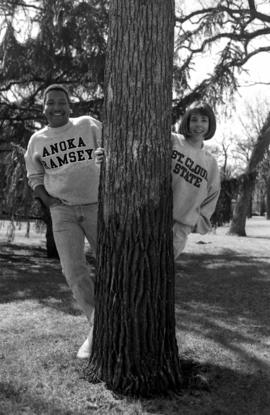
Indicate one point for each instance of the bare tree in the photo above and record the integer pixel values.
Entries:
(268, 197)
(247, 182)
(230, 34)
(263, 184)
(65, 49)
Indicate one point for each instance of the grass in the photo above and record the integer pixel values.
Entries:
(222, 313)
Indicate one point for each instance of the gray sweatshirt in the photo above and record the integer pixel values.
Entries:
(195, 183)
(62, 159)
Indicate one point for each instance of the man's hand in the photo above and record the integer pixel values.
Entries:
(49, 201)
(99, 155)
(52, 201)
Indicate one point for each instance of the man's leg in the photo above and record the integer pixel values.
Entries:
(88, 220)
(69, 238)
(89, 224)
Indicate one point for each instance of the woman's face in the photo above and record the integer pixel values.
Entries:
(198, 125)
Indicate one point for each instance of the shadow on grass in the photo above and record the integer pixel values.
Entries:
(229, 393)
(224, 297)
(227, 285)
(225, 300)
(19, 397)
(27, 274)
(266, 238)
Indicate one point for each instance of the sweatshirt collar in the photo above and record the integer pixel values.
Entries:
(57, 130)
(195, 148)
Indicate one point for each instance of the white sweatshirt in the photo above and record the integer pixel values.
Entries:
(195, 183)
(62, 159)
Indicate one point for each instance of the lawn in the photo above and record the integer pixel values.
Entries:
(223, 331)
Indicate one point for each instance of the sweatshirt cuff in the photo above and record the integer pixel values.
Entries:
(37, 181)
(203, 226)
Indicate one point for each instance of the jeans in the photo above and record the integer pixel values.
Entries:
(71, 224)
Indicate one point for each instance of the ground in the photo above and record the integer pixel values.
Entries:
(223, 330)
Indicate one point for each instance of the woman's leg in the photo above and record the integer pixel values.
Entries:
(180, 234)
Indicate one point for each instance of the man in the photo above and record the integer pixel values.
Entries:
(61, 169)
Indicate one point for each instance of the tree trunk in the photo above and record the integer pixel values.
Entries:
(248, 182)
(135, 350)
(262, 194)
(27, 233)
(50, 243)
(250, 203)
(242, 206)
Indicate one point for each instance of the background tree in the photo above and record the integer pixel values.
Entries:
(252, 125)
(229, 34)
(225, 169)
(264, 184)
(234, 156)
(61, 46)
(256, 114)
(19, 199)
(135, 349)
(268, 195)
(247, 182)
(248, 150)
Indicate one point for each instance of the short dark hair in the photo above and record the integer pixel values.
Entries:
(56, 87)
(202, 109)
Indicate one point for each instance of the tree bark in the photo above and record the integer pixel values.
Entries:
(135, 350)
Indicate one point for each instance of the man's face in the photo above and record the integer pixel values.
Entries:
(56, 108)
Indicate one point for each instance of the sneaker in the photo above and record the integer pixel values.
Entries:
(84, 351)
